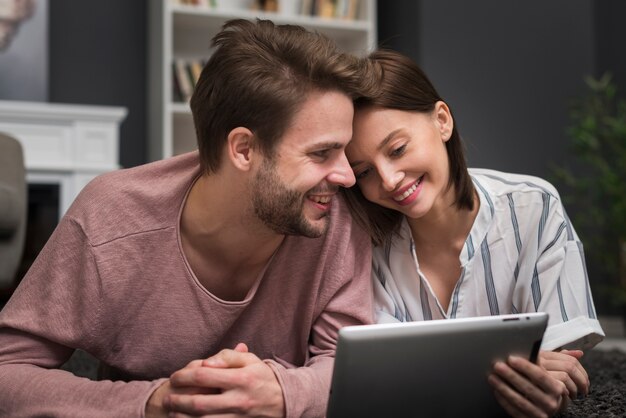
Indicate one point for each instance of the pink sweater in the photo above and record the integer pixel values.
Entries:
(114, 282)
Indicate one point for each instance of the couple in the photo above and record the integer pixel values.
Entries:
(214, 283)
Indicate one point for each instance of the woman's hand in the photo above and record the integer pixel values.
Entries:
(564, 366)
(525, 389)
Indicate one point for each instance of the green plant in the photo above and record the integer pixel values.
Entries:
(595, 186)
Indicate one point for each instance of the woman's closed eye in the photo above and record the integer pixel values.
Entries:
(361, 174)
(396, 152)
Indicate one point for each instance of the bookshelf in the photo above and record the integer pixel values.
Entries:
(181, 32)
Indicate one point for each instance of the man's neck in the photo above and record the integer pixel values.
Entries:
(223, 241)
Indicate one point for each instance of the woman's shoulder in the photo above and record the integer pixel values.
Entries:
(503, 183)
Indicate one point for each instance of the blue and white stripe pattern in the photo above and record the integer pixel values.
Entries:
(522, 255)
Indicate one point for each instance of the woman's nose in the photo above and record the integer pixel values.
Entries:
(390, 178)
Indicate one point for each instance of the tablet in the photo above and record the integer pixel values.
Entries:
(435, 368)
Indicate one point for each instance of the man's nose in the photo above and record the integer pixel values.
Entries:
(342, 173)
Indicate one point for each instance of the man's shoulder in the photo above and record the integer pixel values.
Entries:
(342, 222)
(136, 199)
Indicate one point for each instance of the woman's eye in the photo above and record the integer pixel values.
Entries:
(398, 151)
(362, 174)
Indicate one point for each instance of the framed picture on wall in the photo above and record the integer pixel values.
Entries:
(24, 50)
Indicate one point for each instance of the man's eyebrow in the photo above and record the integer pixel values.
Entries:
(380, 146)
(326, 145)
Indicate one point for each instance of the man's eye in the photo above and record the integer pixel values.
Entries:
(321, 154)
(398, 151)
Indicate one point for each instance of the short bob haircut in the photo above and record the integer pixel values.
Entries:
(402, 85)
(258, 77)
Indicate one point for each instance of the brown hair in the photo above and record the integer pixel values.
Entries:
(258, 77)
(402, 85)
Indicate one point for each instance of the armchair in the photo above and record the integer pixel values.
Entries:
(13, 208)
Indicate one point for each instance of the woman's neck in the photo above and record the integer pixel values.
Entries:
(445, 225)
(439, 238)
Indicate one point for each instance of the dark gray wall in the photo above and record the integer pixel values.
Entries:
(508, 70)
(610, 39)
(398, 26)
(98, 56)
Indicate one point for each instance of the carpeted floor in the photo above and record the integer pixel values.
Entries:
(607, 399)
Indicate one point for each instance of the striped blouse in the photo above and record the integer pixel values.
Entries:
(522, 255)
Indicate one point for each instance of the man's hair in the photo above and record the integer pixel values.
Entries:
(402, 85)
(258, 77)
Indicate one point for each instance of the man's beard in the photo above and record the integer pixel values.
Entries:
(280, 208)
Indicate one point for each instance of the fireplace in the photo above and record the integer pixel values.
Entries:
(65, 146)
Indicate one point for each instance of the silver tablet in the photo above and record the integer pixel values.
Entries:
(433, 368)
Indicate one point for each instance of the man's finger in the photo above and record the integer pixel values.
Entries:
(241, 347)
(194, 405)
(209, 377)
(200, 405)
(231, 358)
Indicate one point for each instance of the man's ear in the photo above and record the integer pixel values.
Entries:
(240, 147)
(443, 118)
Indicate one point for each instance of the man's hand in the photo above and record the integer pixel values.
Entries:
(233, 382)
(154, 406)
(525, 389)
(564, 366)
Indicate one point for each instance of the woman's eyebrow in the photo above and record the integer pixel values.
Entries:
(388, 138)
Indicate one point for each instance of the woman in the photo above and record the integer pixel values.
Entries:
(452, 242)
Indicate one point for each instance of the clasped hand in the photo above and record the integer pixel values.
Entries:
(232, 383)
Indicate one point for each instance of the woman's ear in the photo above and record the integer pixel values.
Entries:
(444, 120)
(240, 147)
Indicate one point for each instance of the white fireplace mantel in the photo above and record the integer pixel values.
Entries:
(64, 144)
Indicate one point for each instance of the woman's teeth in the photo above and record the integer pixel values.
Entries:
(409, 191)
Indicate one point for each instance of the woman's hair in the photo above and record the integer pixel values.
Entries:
(402, 85)
(259, 76)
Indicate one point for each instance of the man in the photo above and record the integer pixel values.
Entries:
(240, 254)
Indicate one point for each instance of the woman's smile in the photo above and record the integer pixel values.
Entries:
(409, 194)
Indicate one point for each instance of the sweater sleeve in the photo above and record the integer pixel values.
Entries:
(306, 389)
(54, 311)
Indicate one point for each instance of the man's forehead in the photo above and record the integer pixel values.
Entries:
(304, 144)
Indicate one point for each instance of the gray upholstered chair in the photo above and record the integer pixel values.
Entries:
(13, 208)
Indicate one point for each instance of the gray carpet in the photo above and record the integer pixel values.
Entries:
(607, 399)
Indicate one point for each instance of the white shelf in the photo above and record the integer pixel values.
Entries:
(64, 144)
(185, 32)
